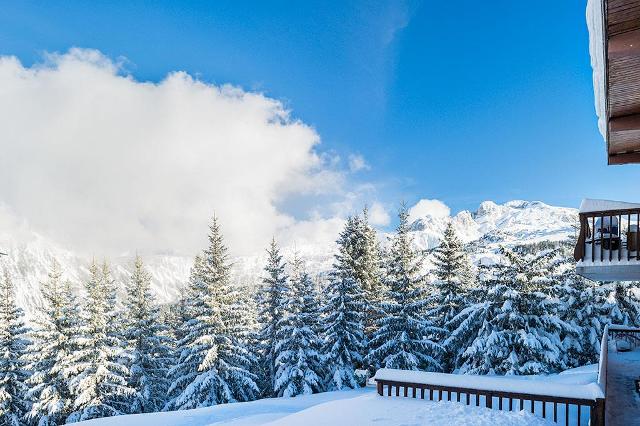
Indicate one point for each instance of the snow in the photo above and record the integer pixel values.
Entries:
(596, 50)
(355, 407)
(623, 404)
(588, 205)
(565, 387)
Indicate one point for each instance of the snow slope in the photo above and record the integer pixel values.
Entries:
(491, 225)
(359, 407)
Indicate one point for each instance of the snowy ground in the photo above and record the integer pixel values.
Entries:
(359, 407)
(356, 407)
(623, 402)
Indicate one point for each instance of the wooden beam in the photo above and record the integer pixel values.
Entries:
(625, 158)
(624, 44)
(624, 123)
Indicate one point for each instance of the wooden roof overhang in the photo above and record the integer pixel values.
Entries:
(621, 47)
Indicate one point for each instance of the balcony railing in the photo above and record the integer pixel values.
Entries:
(608, 245)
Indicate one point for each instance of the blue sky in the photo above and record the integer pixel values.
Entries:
(459, 101)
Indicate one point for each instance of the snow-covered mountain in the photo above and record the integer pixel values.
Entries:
(491, 225)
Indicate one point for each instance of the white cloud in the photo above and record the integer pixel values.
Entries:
(378, 215)
(357, 163)
(424, 207)
(105, 163)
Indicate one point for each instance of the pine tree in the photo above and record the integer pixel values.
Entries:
(454, 280)
(298, 358)
(147, 344)
(216, 342)
(271, 301)
(13, 362)
(521, 331)
(368, 270)
(343, 315)
(626, 310)
(56, 339)
(101, 387)
(189, 311)
(404, 338)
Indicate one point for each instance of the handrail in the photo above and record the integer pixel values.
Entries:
(606, 236)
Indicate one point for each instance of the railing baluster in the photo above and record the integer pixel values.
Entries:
(601, 239)
(638, 237)
(555, 412)
(610, 238)
(566, 414)
(477, 399)
(449, 396)
(593, 238)
(628, 240)
(500, 403)
(458, 396)
(544, 409)
(431, 394)
(533, 406)
(619, 237)
(579, 406)
(521, 404)
(421, 393)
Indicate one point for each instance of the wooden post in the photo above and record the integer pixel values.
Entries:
(597, 413)
(379, 386)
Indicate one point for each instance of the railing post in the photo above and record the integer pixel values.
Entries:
(379, 386)
(597, 413)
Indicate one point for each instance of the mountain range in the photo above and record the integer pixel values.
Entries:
(492, 225)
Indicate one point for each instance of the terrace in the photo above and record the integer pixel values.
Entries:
(608, 245)
(611, 399)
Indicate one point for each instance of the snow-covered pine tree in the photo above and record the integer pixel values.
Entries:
(147, 344)
(404, 337)
(101, 386)
(272, 307)
(14, 347)
(626, 310)
(57, 338)
(188, 311)
(584, 305)
(454, 280)
(298, 357)
(521, 330)
(343, 314)
(368, 270)
(215, 343)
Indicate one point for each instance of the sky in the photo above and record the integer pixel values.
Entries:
(283, 117)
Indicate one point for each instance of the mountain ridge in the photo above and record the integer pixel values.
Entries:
(492, 225)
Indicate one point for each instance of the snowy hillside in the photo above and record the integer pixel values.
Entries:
(492, 225)
(356, 407)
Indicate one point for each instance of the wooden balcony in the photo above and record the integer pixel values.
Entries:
(608, 245)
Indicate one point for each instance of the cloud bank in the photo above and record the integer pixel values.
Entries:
(107, 164)
(425, 207)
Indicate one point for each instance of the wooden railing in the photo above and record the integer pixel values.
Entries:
(560, 409)
(608, 235)
(568, 406)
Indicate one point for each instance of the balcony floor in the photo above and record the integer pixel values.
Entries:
(623, 402)
(610, 271)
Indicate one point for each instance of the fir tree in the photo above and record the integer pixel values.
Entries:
(13, 362)
(298, 358)
(56, 339)
(344, 340)
(147, 344)
(368, 270)
(403, 339)
(454, 280)
(189, 311)
(101, 387)
(217, 342)
(626, 310)
(520, 333)
(271, 301)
